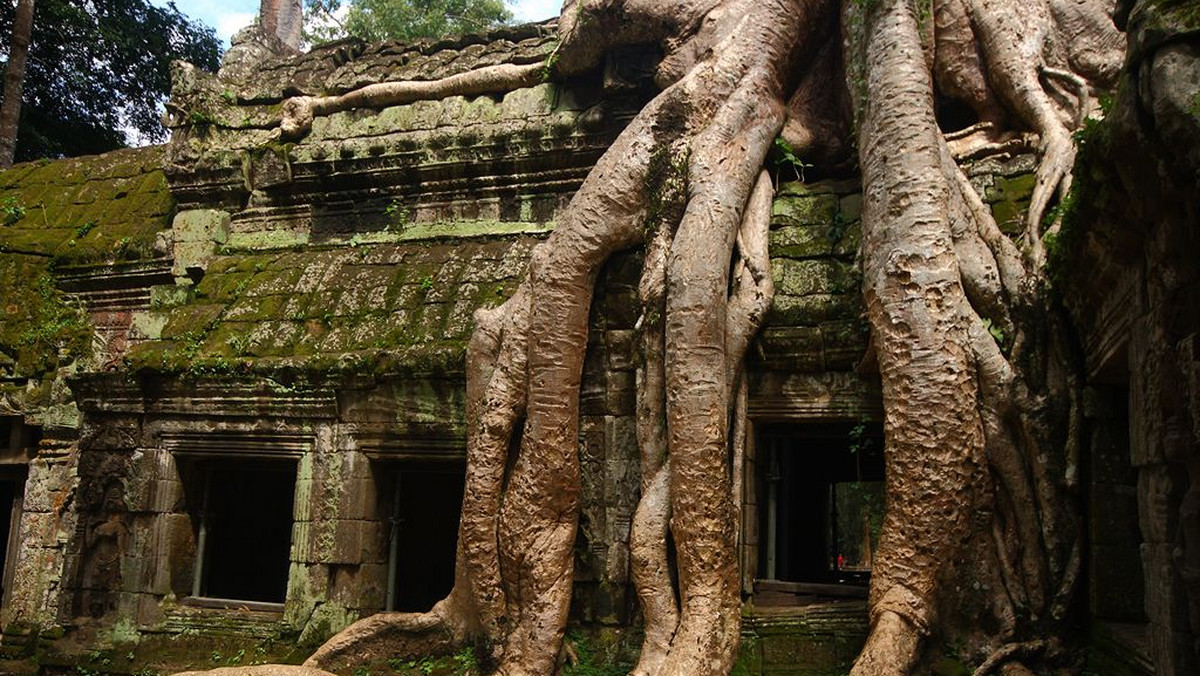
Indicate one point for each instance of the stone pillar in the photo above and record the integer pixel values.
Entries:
(338, 561)
(37, 599)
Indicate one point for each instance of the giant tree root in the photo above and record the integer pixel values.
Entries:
(968, 430)
(260, 670)
(973, 441)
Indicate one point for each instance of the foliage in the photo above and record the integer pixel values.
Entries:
(99, 68)
(405, 20)
(11, 210)
(461, 663)
(594, 659)
(784, 161)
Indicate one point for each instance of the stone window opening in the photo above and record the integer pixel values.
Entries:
(19, 441)
(242, 515)
(421, 505)
(820, 502)
(12, 493)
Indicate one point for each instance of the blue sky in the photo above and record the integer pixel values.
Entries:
(229, 16)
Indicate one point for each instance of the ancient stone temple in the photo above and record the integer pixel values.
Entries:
(232, 366)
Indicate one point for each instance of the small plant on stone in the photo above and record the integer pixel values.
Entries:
(399, 215)
(11, 210)
(783, 157)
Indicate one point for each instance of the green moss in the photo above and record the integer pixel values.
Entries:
(1078, 210)
(39, 329)
(1183, 14)
(84, 210)
(1009, 198)
(821, 209)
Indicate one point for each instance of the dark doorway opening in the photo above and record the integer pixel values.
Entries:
(823, 502)
(244, 529)
(12, 493)
(426, 500)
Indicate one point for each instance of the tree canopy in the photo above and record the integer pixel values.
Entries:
(375, 20)
(99, 71)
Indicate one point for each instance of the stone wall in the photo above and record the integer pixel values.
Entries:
(1126, 260)
(306, 305)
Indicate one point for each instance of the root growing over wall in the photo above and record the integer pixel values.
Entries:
(980, 397)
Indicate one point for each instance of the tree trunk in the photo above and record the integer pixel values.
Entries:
(283, 19)
(14, 80)
(933, 433)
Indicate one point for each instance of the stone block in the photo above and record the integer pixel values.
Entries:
(621, 460)
(302, 542)
(799, 651)
(620, 393)
(43, 492)
(357, 542)
(362, 587)
(111, 433)
(749, 658)
(360, 499)
(750, 524)
(302, 506)
(149, 611)
(593, 393)
(40, 529)
(191, 256)
(804, 209)
(166, 296)
(851, 206)
(158, 576)
(801, 241)
(616, 564)
(799, 347)
(137, 571)
(1160, 490)
(843, 344)
(807, 277)
(810, 310)
(621, 309)
(622, 350)
(1166, 602)
(201, 225)
(308, 585)
(167, 496)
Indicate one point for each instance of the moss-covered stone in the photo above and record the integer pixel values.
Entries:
(39, 329)
(807, 277)
(83, 210)
(818, 209)
(387, 306)
(1009, 197)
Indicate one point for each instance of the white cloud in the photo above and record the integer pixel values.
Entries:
(232, 22)
(536, 10)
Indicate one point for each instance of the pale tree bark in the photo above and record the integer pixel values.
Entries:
(980, 541)
(283, 19)
(14, 80)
